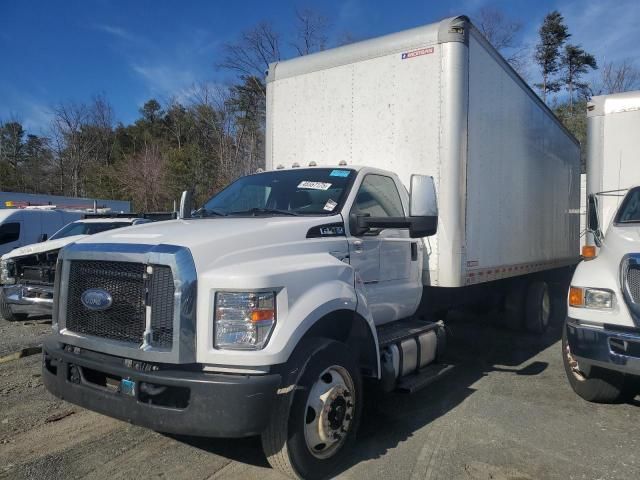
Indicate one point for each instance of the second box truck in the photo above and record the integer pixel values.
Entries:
(601, 342)
(402, 172)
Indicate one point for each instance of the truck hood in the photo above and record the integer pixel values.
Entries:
(622, 239)
(42, 247)
(211, 239)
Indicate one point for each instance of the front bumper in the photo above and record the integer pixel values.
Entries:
(610, 347)
(192, 402)
(30, 299)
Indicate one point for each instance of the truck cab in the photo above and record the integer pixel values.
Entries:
(258, 313)
(601, 342)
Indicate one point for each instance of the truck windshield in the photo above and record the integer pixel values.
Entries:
(630, 210)
(86, 228)
(307, 191)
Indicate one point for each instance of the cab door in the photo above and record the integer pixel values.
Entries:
(383, 258)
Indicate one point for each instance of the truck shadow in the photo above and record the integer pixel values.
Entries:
(476, 347)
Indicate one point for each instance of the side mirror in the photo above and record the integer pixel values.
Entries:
(422, 197)
(423, 213)
(42, 237)
(186, 200)
(423, 206)
(593, 219)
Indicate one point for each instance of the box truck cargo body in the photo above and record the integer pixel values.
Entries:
(613, 151)
(439, 100)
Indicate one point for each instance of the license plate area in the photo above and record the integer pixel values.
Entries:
(128, 387)
(95, 378)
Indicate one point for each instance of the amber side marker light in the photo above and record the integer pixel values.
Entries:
(576, 297)
(263, 315)
(589, 251)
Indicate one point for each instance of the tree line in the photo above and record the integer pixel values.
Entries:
(217, 134)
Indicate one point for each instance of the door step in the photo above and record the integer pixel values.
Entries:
(394, 332)
(423, 377)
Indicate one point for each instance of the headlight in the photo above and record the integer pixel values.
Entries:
(244, 320)
(6, 272)
(597, 298)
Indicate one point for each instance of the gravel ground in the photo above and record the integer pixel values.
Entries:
(505, 413)
(17, 335)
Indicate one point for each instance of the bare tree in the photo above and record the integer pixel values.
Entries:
(142, 176)
(83, 138)
(311, 35)
(502, 33)
(618, 77)
(73, 147)
(251, 55)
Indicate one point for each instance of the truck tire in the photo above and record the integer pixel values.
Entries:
(600, 386)
(317, 412)
(7, 313)
(537, 307)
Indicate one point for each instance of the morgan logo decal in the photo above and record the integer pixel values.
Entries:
(417, 53)
(96, 299)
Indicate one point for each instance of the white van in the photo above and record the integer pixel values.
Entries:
(19, 227)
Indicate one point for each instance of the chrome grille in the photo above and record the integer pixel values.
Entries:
(127, 283)
(633, 282)
(161, 296)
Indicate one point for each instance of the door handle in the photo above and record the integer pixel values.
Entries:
(358, 246)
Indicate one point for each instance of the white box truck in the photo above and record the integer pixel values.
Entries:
(263, 311)
(601, 345)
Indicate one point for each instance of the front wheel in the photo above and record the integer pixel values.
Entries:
(317, 415)
(599, 386)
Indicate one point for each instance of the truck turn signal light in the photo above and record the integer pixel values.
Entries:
(576, 297)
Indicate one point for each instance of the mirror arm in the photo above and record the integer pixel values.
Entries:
(384, 222)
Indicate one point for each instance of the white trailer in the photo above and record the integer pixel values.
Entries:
(439, 100)
(613, 143)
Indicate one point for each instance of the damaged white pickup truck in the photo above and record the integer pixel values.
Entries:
(27, 273)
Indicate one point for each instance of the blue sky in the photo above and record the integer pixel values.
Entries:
(57, 51)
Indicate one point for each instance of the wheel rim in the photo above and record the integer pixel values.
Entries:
(573, 364)
(546, 308)
(329, 412)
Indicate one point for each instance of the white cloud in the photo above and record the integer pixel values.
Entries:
(607, 29)
(167, 80)
(118, 33)
(34, 115)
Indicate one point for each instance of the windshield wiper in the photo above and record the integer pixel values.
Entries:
(266, 211)
(206, 212)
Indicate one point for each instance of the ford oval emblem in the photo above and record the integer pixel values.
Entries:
(96, 299)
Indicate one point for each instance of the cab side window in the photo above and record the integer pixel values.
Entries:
(9, 232)
(378, 196)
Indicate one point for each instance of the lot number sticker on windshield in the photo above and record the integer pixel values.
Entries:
(330, 205)
(314, 185)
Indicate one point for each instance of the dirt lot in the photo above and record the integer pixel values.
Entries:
(505, 413)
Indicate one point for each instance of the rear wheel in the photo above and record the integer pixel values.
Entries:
(7, 313)
(315, 421)
(599, 386)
